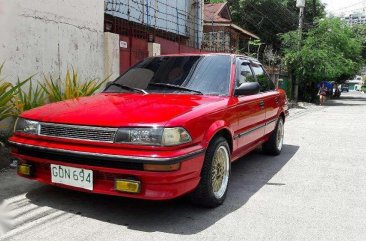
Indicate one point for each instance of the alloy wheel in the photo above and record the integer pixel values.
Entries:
(280, 134)
(220, 171)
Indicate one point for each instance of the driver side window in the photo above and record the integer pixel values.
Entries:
(244, 74)
(262, 78)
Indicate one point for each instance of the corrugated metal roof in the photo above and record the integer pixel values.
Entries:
(212, 13)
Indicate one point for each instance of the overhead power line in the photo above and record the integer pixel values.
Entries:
(350, 6)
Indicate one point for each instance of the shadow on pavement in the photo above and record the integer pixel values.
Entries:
(353, 99)
(12, 185)
(350, 97)
(249, 175)
(337, 103)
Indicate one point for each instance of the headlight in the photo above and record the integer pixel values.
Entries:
(153, 136)
(175, 136)
(27, 126)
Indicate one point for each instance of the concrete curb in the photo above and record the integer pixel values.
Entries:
(4, 156)
(300, 105)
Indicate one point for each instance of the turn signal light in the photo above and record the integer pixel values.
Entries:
(25, 169)
(14, 150)
(161, 167)
(130, 186)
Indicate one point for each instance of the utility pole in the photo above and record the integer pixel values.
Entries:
(300, 4)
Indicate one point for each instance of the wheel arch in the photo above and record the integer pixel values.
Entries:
(219, 128)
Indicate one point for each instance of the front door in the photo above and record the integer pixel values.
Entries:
(250, 110)
(270, 97)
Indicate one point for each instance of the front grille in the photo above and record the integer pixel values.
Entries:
(79, 159)
(78, 132)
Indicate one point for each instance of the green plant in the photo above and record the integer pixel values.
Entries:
(7, 92)
(70, 88)
(329, 51)
(26, 100)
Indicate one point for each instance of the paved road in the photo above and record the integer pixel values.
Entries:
(314, 191)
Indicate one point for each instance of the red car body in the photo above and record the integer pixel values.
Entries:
(203, 116)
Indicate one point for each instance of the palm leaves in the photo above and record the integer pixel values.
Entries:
(7, 93)
(26, 100)
(14, 100)
(70, 88)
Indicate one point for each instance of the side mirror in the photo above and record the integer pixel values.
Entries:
(245, 73)
(247, 88)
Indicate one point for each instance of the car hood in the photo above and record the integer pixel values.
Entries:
(117, 110)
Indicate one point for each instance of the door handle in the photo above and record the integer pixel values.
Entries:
(276, 100)
(261, 104)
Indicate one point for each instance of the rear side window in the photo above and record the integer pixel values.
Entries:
(262, 78)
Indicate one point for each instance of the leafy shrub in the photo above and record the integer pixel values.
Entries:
(71, 87)
(14, 100)
(7, 92)
(26, 100)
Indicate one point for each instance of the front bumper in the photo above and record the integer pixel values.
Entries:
(107, 168)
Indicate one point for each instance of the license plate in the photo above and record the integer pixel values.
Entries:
(75, 177)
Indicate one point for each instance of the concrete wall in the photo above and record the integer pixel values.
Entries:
(111, 55)
(47, 36)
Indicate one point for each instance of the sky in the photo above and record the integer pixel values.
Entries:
(346, 6)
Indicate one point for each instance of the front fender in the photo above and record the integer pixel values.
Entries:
(214, 128)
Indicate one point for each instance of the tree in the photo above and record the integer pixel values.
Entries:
(268, 18)
(330, 51)
(360, 31)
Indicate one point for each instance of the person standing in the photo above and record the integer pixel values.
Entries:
(322, 93)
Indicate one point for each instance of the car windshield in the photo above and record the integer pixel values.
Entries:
(209, 75)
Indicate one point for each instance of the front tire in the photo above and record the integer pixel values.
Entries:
(215, 175)
(275, 142)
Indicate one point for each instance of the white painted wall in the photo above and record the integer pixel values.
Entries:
(47, 36)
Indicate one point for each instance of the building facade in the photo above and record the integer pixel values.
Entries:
(104, 38)
(48, 36)
(181, 18)
(153, 27)
(220, 34)
(355, 18)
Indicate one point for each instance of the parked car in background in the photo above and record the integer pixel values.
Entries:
(345, 88)
(358, 87)
(169, 126)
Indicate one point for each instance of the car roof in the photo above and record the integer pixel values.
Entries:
(195, 54)
(210, 54)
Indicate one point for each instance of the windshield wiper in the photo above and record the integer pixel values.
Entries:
(176, 87)
(128, 88)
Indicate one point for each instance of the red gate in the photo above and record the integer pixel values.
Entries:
(132, 50)
(167, 46)
(134, 41)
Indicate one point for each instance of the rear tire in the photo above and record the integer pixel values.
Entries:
(215, 175)
(275, 142)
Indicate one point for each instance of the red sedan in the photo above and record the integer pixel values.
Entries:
(169, 126)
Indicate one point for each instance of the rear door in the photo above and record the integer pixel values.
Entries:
(249, 110)
(270, 97)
